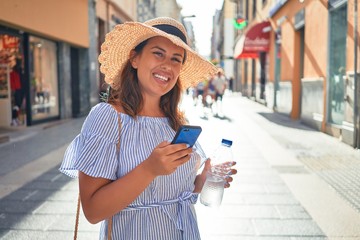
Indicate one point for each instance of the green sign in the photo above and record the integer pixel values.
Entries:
(239, 23)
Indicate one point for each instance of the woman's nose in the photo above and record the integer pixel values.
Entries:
(166, 65)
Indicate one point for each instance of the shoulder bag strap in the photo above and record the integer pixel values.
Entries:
(77, 218)
(109, 228)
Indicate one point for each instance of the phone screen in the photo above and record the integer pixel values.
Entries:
(187, 134)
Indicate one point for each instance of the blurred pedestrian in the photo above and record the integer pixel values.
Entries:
(220, 86)
(210, 92)
(231, 84)
(148, 186)
(198, 94)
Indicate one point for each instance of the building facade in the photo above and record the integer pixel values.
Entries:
(145, 10)
(223, 36)
(42, 56)
(307, 68)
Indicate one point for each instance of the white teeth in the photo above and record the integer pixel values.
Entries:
(161, 77)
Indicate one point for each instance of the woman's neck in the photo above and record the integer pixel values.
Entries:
(151, 108)
(149, 113)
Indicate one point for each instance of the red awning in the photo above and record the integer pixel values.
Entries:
(255, 40)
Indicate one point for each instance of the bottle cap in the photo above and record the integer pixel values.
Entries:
(226, 142)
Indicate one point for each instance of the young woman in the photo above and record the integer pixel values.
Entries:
(147, 186)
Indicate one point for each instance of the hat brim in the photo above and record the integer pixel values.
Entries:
(115, 52)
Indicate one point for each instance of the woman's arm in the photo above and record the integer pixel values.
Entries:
(102, 198)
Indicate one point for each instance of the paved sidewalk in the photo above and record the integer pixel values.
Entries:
(259, 205)
(293, 182)
(285, 188)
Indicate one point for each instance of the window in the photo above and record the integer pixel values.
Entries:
(44, 98)
(337, 63)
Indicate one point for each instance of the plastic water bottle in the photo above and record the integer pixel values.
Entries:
(213, 189)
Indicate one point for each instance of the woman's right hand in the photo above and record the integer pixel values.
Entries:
(167, 157)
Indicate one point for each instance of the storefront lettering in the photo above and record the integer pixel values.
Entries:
(257, 44)
(10, 41)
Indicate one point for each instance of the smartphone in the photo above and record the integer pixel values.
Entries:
(187, 134)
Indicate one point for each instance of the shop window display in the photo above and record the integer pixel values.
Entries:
(43, 79)
(12, 91)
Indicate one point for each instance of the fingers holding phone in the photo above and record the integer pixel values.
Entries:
(166, 158)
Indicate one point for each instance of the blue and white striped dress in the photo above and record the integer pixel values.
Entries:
(165, 210)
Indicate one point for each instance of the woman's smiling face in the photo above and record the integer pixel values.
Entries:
(158, 66)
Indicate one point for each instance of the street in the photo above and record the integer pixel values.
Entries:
(293, 182)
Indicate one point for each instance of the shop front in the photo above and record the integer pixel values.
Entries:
(47, 63)
(254, 44)
(28, 79)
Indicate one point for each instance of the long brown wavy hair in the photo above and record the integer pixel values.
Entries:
(130, 98)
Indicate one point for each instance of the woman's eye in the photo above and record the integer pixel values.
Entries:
(160, 54)
(177, 60)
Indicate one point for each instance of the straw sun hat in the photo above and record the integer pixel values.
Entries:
(115, 51)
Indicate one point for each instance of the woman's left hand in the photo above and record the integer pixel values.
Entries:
(229, 178)
(201, 178)
(227, 167)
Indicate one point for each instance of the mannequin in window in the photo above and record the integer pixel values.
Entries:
(15, 84)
